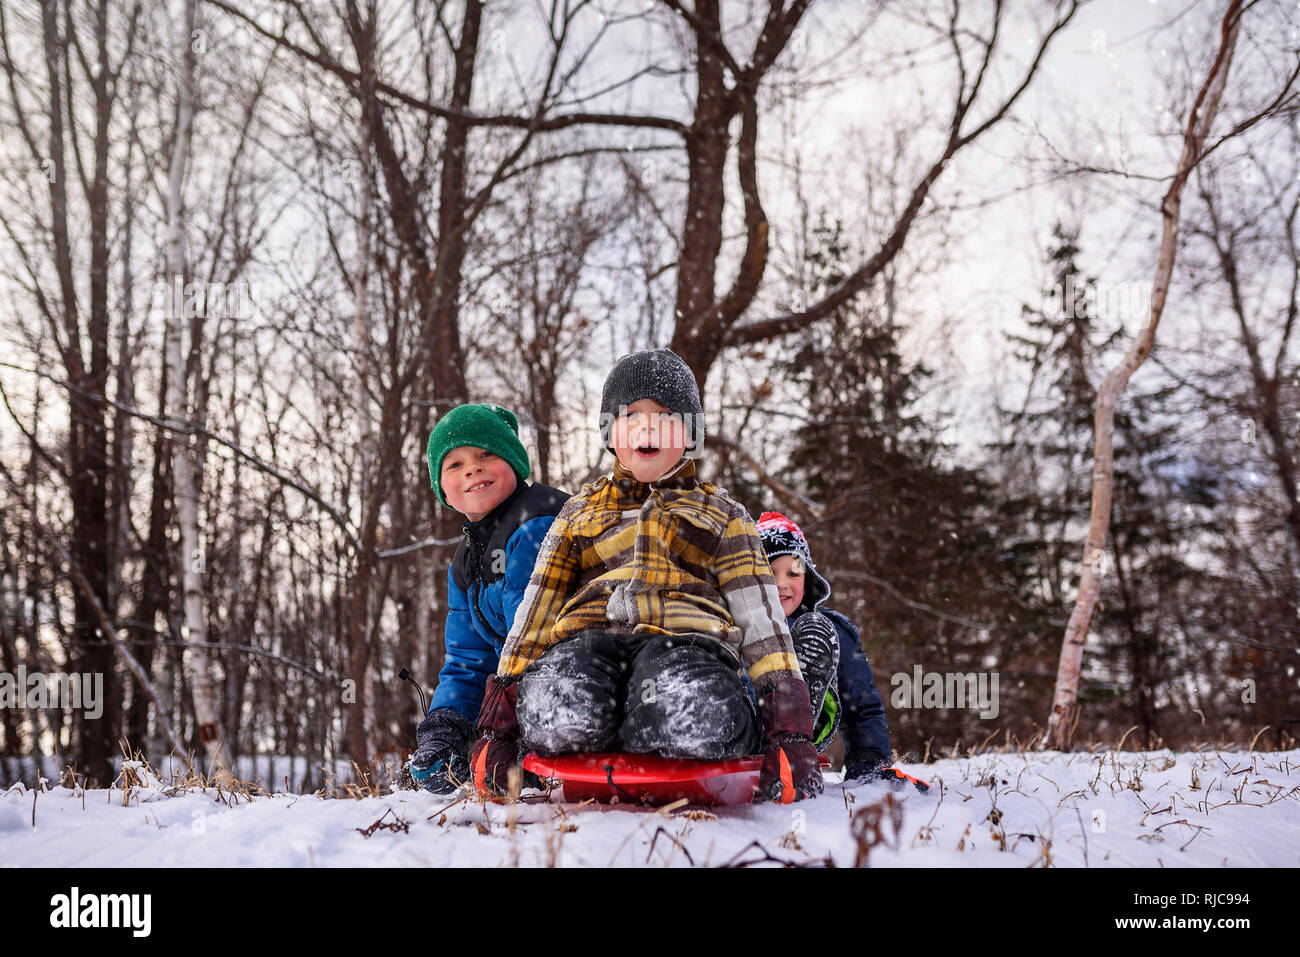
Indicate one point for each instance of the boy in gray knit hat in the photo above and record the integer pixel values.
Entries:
(650, 594)
(661, 376)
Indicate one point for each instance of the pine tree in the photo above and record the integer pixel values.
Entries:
(906, 538)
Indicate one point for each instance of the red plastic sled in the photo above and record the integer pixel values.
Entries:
(647, 779)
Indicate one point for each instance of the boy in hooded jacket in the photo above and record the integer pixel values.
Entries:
(830, 652)
(478, 467)
(650, 599)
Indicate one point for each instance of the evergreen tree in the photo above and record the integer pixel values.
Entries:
(1047, 478)
(906, 538)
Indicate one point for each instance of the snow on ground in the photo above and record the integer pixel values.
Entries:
(1203, 809)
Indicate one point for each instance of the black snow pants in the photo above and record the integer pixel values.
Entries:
(676, 696)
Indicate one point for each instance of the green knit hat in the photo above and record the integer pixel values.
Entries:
(484, 426)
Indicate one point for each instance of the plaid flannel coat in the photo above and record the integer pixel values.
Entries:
(676, 556)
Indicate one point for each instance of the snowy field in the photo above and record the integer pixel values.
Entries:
(1154, 809)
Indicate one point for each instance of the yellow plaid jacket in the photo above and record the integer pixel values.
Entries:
(672, 557)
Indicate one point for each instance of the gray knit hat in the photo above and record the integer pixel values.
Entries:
(661, 375)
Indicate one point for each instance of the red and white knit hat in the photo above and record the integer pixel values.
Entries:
(781, 536)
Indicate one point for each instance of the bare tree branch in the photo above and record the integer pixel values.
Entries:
(184, 427)
(855, 282)
(1065, 704)
(352, 78)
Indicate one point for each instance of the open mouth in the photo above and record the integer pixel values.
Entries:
(478, 487)
(647, 451)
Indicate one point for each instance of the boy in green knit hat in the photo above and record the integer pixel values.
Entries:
(478, 466)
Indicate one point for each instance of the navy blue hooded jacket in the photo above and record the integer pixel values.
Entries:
(863, 725)
(485, 584)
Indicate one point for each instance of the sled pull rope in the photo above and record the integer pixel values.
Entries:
(609, 776)
(405, 675)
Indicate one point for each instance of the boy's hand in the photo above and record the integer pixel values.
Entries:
(443, 776)
(439, 764)
(872, 766)
(863, 764)
(897, 778)
(490, 763)
(791, 771)
(498, 750)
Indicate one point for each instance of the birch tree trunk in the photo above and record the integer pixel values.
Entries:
(363, 666)
(1065, 703)
(185, 477)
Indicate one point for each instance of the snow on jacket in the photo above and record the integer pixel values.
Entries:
(675, 556)
(485, 584)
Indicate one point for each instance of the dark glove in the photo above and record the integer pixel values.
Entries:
(900, 779)
(791, 771)
(497, 751)
(870, 766)
(439, 763)
(863, 764)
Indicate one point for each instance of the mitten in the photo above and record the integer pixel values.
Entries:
(439, 763)
(862, 764)
(790, 771)
(872, 766)
(497, 751)
(899, 779)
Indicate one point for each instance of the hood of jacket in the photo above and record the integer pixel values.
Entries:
(781, 536)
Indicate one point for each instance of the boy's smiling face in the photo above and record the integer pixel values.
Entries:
(788, 572)
(649, 439)
(475, 481)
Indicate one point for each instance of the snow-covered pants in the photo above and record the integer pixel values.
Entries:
(676, 696)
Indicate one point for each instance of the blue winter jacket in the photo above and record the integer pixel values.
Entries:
(863, 725)
(485, 583)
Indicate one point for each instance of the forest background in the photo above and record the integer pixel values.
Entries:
(249, 253)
